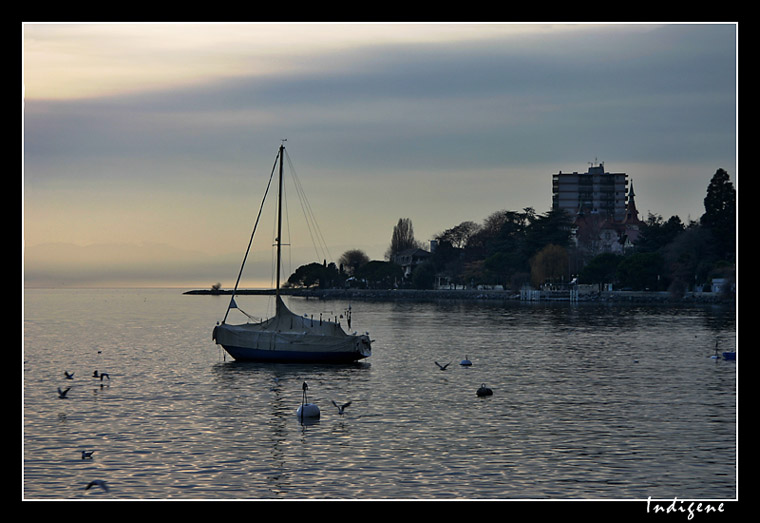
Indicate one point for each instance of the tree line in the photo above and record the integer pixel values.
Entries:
(515, 248)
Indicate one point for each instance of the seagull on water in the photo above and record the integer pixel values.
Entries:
(341, 408)
(97, 483)
(442, 367)
(69, 376)
(62, 393)
(87, 454)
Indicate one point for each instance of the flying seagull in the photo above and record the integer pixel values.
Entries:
(62, 393)
(97, 483)
(69, 376)
(341, 408)
(442, 367)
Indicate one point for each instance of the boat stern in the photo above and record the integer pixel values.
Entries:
(364, 345)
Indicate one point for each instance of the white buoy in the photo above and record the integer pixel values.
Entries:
(307, 410)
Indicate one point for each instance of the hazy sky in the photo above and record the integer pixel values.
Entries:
(147, 147)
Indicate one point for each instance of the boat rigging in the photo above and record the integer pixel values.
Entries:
(286, 337)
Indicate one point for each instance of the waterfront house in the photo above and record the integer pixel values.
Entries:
(410, 258)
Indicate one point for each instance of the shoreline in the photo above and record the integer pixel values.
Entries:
(482, 295)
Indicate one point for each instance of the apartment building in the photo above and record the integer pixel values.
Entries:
(592, 192)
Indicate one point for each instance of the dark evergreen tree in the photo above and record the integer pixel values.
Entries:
(657, 234)
(601, 269)
(720, 213)
(380, 274)
(642, 271)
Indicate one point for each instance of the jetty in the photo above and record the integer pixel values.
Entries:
(525, 295)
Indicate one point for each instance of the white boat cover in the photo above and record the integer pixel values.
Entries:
(287, 331)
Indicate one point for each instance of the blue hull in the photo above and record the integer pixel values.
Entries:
(275, 356)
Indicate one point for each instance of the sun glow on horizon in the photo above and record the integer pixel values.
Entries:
(147, 146)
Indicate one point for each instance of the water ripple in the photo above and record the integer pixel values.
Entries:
(589, 403)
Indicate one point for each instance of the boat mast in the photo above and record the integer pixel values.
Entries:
(279, 223)
(250, 241)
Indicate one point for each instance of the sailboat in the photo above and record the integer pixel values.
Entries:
(287, 337)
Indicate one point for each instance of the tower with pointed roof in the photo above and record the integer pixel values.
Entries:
(631, 213)
(630, 225)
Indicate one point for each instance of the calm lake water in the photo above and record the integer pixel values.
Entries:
(590, 402)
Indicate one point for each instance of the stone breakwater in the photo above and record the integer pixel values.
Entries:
(405, 294)
(492, 295)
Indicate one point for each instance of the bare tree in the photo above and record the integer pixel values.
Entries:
(352, 259)
(458, 235)
(402, 238)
